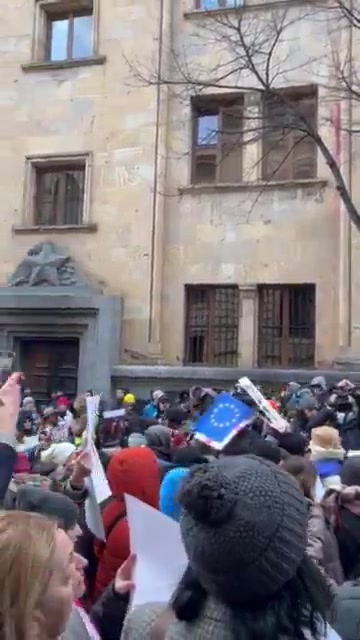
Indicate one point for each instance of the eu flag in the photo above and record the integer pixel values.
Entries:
(222, 421)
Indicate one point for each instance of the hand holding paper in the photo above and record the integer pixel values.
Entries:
(124, 579)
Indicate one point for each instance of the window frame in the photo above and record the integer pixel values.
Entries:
(280, 321)
(307, 94)
(35, 164)
(48, 10)
(218, 106)
(70, 17)
(210, 291)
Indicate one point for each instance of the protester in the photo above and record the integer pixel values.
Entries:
(10, 396)
(54, 505)
(157, 407)
(35, 577)
(304, 473)
(158, 439)
(244, 530)
(58, 429)
(319, 389)
(131, 471)
(169, 492)
(327, 455)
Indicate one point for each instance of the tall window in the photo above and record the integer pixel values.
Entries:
(217, 141)
(212, 325)
(289, 153)
(286, 326)
(69, 34)
(59, 195)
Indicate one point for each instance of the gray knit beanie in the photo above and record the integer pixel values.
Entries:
(244, 528)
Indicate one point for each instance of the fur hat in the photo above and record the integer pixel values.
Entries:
(325, 438)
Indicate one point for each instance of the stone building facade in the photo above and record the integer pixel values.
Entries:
(97, 159)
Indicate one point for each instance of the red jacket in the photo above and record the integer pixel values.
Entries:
(136, 472)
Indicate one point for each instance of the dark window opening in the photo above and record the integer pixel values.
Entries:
(59, 195)
(212, 325)
(287, 326)
(289, 152)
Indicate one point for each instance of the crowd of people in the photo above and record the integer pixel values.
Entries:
(270, 524)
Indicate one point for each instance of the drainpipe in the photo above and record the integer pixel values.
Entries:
(345, 257)
(158, 197)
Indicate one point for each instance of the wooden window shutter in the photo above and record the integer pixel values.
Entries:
(231, 139)
(305, 150)
(277, 155)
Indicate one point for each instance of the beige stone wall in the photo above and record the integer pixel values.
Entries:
(282, 235)
(249, 236)
(94, 109)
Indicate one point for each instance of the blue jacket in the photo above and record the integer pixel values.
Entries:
(150, 411)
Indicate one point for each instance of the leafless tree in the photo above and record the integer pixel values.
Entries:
(256, 52)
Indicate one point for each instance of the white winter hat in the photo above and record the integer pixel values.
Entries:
(157, 395)
(58, 453)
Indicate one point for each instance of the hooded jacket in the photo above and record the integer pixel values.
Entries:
(334, 534)
(131, 471)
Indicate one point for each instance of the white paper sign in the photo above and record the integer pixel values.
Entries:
(275, 419)
(93, 513)
(92, 406)
(160, 555)
(115, 413)
(97, 485)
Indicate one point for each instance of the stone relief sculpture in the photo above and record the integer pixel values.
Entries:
(45, 265)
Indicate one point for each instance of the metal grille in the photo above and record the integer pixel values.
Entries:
(59, 196)
(286, 326)
(212, 325)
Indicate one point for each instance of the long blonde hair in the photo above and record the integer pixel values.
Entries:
(27, 547)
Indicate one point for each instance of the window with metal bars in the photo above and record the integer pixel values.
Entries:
(212, 325)
(286, 336)
(289, 152)
(59, 195)
(69, 32)
(217, 140)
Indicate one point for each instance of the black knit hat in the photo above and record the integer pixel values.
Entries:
(53, 505)
(244, 527)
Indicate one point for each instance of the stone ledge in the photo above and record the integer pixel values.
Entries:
(48, 65)
(224, 374)
(90, 227)
(254, 186)
(251, 6)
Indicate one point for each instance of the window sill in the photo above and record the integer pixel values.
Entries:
(65, 228)
(254, 5)
(255, 186)
(47, 65)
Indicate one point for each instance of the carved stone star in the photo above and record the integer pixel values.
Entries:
(44, 266)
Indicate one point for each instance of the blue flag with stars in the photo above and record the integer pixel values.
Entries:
(222, 421)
